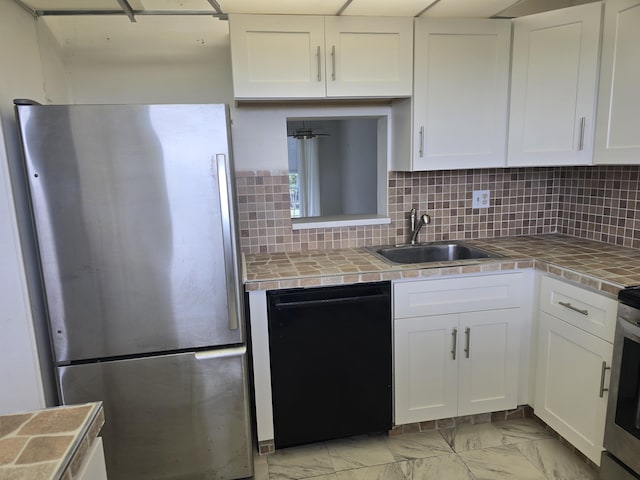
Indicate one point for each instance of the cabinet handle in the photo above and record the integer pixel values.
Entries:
(602, 372)
(467, 333)
(421, 151)
(454, 334)
(333, 62)
(582, 125)
(319, 64)
(575, 309)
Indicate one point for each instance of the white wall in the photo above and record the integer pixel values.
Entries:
(54, 71)
(157, 59)
(359, 174)
(22, 77)
(260, 131)
(330, 168)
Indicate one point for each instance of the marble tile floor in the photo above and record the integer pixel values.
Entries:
(510, 450)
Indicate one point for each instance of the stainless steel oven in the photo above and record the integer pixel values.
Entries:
(621, 460)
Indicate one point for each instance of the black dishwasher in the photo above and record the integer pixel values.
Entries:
(330, 350)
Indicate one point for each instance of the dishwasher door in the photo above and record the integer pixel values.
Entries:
(331, 364)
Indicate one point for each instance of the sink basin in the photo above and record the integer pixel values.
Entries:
(432, 252)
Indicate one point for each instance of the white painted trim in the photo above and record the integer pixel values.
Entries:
(21, 305)
(338, 221)
(261, 364)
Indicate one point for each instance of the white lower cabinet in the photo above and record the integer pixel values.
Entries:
(426, 375)
(459, 364)
(456, 363)
(488, 366)
(573, 364)
(93, 466)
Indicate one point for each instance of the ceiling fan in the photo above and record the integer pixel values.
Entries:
(305, 132)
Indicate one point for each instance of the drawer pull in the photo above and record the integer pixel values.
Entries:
(467, 332)
(575, 309)
(454, 334)
(603, 371)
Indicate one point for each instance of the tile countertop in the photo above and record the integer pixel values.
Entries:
(48, 444)
(597, 265)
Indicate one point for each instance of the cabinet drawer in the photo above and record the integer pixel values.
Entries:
(592, 312)
(457, 295)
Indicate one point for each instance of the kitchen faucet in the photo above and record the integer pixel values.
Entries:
(415, 228)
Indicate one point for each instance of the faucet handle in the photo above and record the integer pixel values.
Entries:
(413, 213)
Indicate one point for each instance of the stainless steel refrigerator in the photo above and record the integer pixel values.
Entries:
(134, 214)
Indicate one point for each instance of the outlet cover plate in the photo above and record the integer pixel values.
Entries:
(481, 198)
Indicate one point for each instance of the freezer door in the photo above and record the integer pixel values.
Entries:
(134, 214)
(183, 416)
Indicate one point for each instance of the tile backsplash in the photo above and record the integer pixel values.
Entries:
(601, 203)
(591, 202)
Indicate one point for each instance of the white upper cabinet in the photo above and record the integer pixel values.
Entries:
(618, 124)
(369, 56)
(272, 56)
(553, 87)
(297, 56)
(460, 96)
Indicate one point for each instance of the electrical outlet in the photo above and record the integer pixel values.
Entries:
(481, 198)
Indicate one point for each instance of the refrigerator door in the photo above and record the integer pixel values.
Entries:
(133, 210)
(182, 416)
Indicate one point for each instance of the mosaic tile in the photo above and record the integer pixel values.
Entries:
(582, 261)
(594, 203)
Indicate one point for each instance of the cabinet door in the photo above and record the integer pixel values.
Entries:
(425, 368)
(617, 131)
(369, 56)
(489, 357)
(568, 386)
(461, 84)
(277, 56)
(553, 87)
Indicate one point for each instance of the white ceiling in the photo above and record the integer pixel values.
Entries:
(427, 8)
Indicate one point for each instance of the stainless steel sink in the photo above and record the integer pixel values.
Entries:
(431, 252)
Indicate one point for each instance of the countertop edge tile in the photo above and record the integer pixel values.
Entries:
(598, 266)
(54, 423)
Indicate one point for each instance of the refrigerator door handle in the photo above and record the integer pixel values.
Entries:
(221, 353)
(228, 234)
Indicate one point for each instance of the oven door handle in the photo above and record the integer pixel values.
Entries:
(602, 374)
